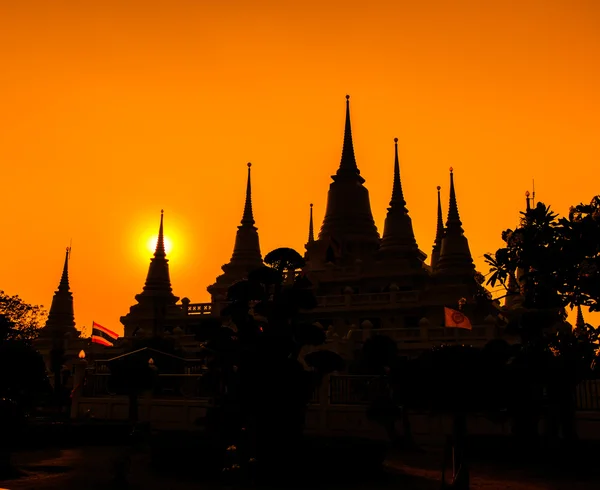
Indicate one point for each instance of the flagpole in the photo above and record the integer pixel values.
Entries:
(92, 348)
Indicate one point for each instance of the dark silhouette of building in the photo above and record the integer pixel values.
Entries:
(363, 281)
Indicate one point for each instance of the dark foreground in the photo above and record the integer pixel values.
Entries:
(95, 467)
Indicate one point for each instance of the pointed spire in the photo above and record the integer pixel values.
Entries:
(348, 167)
(348, 217)
(397, 195)
(247, 217)
(439, 232)
(61, 317)
(160, 242)
(64, 278)
(158, 280)
(453, 221)
(311, 233)
(398, 239)
(580, 322)
(455, 256)
(246, 255)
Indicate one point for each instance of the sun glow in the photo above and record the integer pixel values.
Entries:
(152, 244)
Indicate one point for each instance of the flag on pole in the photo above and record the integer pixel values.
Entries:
(102, 335)
(455, 319)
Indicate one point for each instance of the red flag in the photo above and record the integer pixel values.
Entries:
(102, 335)
(98, 329)
(101, 340)
(455, 319)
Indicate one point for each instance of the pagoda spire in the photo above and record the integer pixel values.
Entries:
(160, 242)
(311, 233)
(348, 217)
(61, 317)
(247, 216)
(439, 233)
(246, 255)
(455, 255)
(348, 167)
(246, 251)
(398, 236)
(580, 322)
(158, 280)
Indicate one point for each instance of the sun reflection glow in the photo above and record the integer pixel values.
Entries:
(152, 244)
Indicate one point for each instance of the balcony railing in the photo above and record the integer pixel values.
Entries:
(587, 395)
(165, 386)
(356, 390)
(335, 301)
(198, 309)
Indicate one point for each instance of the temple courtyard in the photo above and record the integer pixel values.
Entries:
(95, 468)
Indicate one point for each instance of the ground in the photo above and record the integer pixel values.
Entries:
(95, 467)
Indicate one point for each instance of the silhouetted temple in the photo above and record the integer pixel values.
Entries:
(59, 332)
(364, 281)
(365, 284)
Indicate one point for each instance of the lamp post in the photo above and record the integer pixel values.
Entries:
(80, 366)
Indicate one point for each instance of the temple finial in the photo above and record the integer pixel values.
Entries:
(439, 232)
(160, 242)
(248, 217)
(580, 322)
(64, 278)
(348, 165)
(453, 220)
(397, 194)
(311, 233)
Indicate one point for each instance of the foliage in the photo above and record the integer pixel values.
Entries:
(22, 370)
(554, 262)
(282, 259)
(549, 264)
(26, 319)
(256, 355)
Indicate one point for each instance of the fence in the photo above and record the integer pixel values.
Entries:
(349, 390)
(166, 386)
(587, 395)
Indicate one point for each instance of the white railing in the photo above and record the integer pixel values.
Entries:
(331, 301)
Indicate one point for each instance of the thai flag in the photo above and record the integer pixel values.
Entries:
(102, 335)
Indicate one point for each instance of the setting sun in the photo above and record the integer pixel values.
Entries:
(152, 244)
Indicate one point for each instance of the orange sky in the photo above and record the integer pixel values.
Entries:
(111, 112)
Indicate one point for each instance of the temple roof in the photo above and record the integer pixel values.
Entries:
(398, 239)
(348, 217)
(455, 255)
(158, 280)
(61, 317)
(246, 255)
(439, 233)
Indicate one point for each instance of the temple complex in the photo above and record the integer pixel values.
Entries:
(364, 282)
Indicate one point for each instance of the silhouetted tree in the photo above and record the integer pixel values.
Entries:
(549, 264)
(266, 387)
(23, 382)
(132, 375)
(284, 259)
(26, 319)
